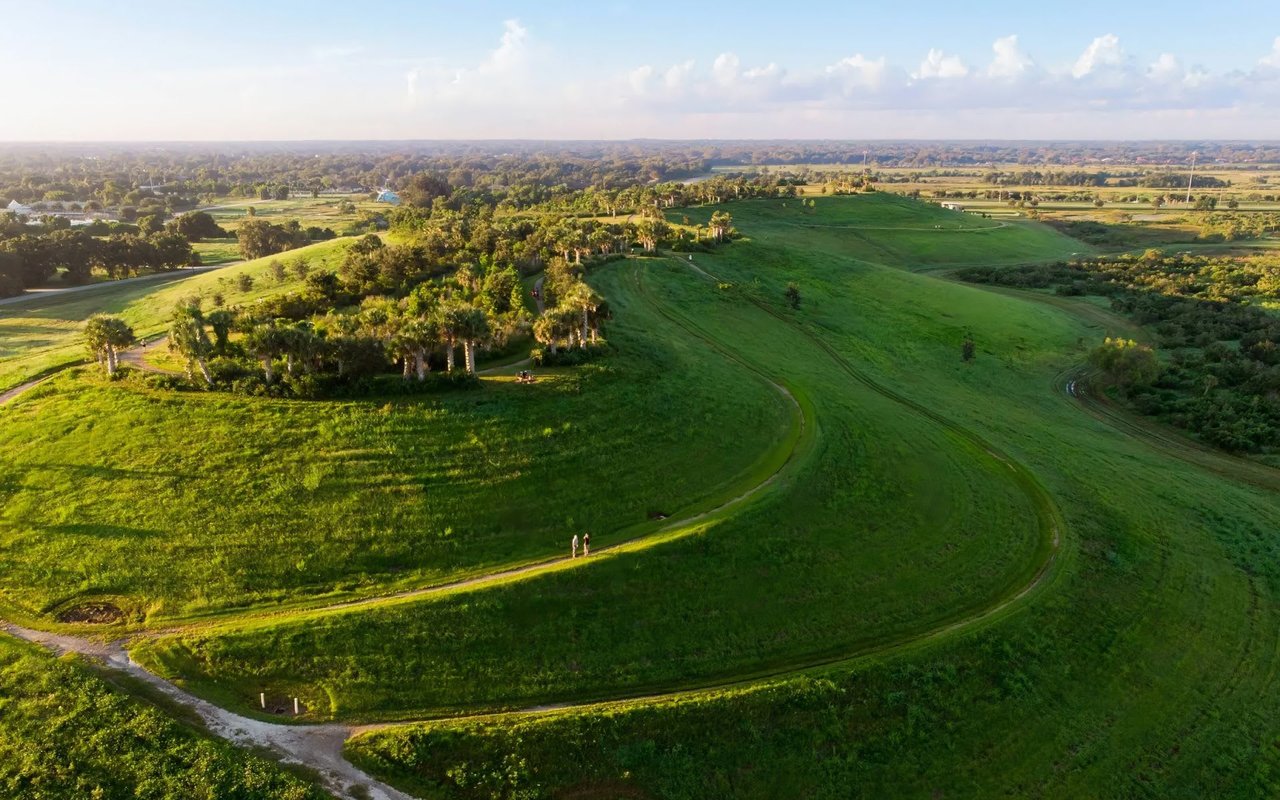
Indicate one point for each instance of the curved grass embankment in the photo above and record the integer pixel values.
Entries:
(1148, 670)
(554, 636)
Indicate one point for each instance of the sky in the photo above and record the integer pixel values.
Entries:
(285, 70)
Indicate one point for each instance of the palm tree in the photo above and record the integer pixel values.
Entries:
(414, 340)
(221, 321)
(472, 326)
(105, 335)
(449, 324)
(265, 341)
(187, 335)
(721, 224)
(545, 331)
(581, 297)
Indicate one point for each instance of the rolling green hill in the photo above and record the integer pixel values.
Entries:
(1146, 668)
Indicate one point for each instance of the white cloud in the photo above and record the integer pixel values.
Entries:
(638, 79)
(511, 51)
(858, 71)
(939, 65)
(1272, 59)
(725, 69)
(1102, 52)
(500, 76)
(1166, 68)
(1010, 60)
(677, 75)
(520, 87)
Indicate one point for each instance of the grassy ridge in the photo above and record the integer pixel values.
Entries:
(41, 334)
(162, 502)
(891, 524)
(1148, 670)
(65, 733)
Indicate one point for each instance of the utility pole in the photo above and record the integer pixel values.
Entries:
(1192, 176)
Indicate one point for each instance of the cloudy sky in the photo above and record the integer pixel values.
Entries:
(710, 69)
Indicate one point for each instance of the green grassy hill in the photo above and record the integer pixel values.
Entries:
(1146, 668)
(887, 572)
(207, 501)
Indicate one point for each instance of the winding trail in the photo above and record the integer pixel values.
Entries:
(321, 746)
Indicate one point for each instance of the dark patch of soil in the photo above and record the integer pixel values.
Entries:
(602, 790)
(658, 515)
(97, 612)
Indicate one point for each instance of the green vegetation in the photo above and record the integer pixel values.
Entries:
(42, 334)
(1214, 317)
(66, 733)
(850, 537)
(920, 514)
(190, 513)
(1145, 669)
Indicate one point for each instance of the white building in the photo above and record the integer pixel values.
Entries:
(18, 208)
(953, 206)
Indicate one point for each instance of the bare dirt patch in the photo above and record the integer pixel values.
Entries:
(98, 612)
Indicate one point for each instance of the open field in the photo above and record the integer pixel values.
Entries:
(43, 333)
(322, 212)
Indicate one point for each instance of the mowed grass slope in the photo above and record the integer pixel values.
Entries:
(66, 733)
(888, 523)
(41, 334)
(1147, 668)
(182, 503)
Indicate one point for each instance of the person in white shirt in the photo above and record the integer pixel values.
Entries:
(575, 545)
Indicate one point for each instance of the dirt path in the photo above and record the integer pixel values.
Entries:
(537, 297)
(13, 393)
(135, 357)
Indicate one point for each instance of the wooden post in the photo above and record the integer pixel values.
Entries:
(262, 699)
(295, 706)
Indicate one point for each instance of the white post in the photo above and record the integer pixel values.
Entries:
(262, 699)
(295, 706)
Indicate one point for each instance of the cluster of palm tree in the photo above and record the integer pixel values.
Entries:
(430, 324)
(573, 318)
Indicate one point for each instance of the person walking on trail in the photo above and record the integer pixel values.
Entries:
(575, 545)
(586, 544)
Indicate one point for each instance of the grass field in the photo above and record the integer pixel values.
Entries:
(322, 212)
(178, 504)
(919, 577)
(66, 733)
(1146, 668)
(42, 334)
(218, 251)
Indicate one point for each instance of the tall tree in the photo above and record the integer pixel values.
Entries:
(472, 328)
(187, 336)
(105, 336)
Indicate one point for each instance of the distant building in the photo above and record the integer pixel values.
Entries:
(18, 208)
(388, 196)
(953, 206)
